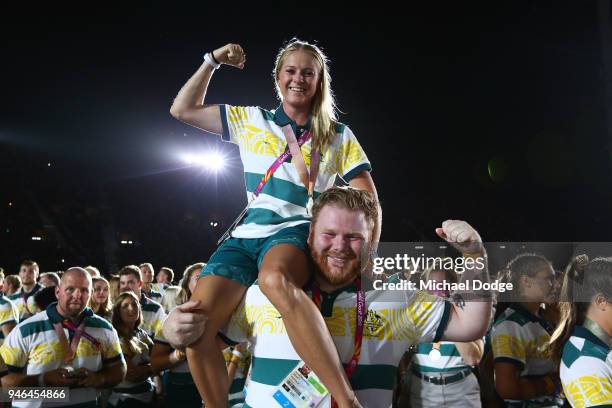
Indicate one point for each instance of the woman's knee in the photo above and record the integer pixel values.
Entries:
(273, 282)
(217, 296)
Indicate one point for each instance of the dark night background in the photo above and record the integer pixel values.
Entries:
(494, 114)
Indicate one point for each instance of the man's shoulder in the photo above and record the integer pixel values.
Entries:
(15, 296)
(6, 302)
(95, 321)
(155, 292)
(38, 323)
(512, 319)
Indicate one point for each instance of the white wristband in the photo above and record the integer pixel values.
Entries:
(237, 354)
(210, 61)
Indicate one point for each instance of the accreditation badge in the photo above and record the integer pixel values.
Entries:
(302, 389)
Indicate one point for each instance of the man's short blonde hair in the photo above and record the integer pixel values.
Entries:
(349, 198)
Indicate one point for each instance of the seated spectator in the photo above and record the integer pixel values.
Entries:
(12, 284)
(136, 390)
(1, 280)
(101, 301)
(90, 355)
(49, 279)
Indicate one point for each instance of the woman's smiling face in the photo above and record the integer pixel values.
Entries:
(298, 79)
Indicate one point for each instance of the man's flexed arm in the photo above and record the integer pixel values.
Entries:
(471, 309)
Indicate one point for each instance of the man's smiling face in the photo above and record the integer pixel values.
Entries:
(337, 243)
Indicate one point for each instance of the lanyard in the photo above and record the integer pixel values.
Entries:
(71, 348)
(264, 180)
(308, 179)
(281, 159)
(25, 297)
(360, 313)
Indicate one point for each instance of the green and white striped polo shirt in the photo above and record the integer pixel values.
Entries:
(135, 391)
(153, 316)
(153, 295)
(449, 361)
(25, 302)
(282, 202)
(33, 346)
(395, 320)
(8, 314)
(160, 287)
(586, 370)
(520, 338)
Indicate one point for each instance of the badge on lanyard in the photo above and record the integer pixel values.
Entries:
(301, 389)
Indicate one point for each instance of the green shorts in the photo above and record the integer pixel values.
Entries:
(239, 259)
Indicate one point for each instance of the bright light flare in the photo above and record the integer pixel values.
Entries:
(212, 161)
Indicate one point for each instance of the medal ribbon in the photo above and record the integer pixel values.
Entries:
(360, 312)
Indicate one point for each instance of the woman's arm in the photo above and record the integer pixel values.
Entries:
(236, 358)
(163, 357)
(471, 352)
(510, 386)
(189, 106)
(6, 328)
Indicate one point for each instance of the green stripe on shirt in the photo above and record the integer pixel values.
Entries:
(38, 326)
(264, 216)
(271, 371)
(279, 188)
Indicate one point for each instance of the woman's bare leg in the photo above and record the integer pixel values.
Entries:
(218, 298)
(283, 273)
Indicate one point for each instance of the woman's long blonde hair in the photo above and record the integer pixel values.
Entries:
(323, 124)
(135, 344)
(584, 280)
(105, 309)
